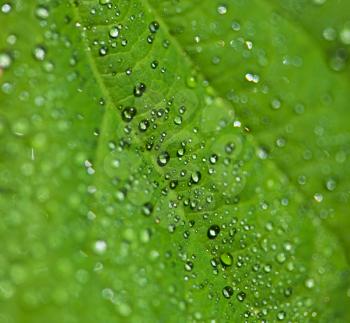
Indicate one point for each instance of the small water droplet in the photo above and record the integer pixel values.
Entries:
(5, 60)
(222, 9)
(153, 27)
(154, 64)
(241, 296)
(6, 8)
(226, 259)
(139, 89)
(147, 209)
(213, 231)
(227, 291)
(281, 315)
(163, 158)
(39, 53)
(42, 12)
(196, 177)
(128, 113)
(114, 32)
(100, 246)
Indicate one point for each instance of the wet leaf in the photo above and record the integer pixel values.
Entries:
(173, 161)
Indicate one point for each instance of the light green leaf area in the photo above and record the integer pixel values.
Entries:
(173, 161)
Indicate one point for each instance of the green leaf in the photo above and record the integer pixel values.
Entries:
(173, 162)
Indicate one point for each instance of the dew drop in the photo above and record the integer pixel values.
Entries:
(100, 246)
(241, 296)
(213, 231)
(114, 32)
(173, 184)
(226, 259)
(39, 53)
(163, 158)
(147, 209)
(188, 265)
(318, 197)
(42, 12)
(5, 60)
(6, 8)
(235, 26)
(345, 36)
(139, 89)
(222, 9)
(196, 177)
(143, 125)
(178, 120)
(153, 27)
(281, 315)
(128, 113)
(154, 64)
(227, 291)
(213, 159)
(103, 51)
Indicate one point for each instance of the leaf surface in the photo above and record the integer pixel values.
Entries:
(143, 177)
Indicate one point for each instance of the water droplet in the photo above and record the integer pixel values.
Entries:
(139, 89)
(128, 113)
(147, 209)
(241, 296)
(42, 12)
(114, 32)
(227, 291)
(235, 26)
(188, 265)
(310, 283)
(318, 197)
(213, 159)
(173, 184)
(153, 27)
(5, 60)
(163, 158)
(100, 246)
(281, 315)
(213, 231)
(178, 120)
(39, 53)
(222, 9)
(281, 257)
(226, 259)
(154, 64)
(254, 78)
(103, 51)
(329, 34)
(180, 152)
(338, 59)
(6, 8)
(143, 125)
(345, 36)
(331, 184)
(229, 148)
(195, 177)
(191, 82)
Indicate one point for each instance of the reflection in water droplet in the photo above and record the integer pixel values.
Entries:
(163, 158)
(227, 291)
(5, 60)
(222, 9)
(128, 113)
(213, 231)
(153, 27)
(39, 53)
(147, 209)
(114, 32)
